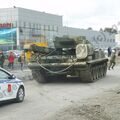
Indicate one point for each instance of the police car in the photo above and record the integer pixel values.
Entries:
(11, 88)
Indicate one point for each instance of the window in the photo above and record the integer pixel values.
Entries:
(3, 75)
(29, 25)
(51, 27)
(24, 24)
(39, 26)
(42, 27)
(46, 27)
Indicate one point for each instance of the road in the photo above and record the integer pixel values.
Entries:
(43, 100)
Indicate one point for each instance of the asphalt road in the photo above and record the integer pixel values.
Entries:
(43, 100)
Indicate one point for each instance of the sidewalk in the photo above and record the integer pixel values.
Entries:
(24, 74)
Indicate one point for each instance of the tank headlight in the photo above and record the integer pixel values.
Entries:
(81, 51)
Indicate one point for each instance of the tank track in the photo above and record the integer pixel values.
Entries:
(39, 76)
(93, 73)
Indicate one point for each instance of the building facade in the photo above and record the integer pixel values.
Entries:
(19, 26)
(28, 26)
(98, 39)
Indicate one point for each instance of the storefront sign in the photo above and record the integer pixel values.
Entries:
(6, 25)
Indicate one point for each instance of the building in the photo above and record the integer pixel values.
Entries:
(23, 26)
(19, 26)
(99, 39)
(117, 38)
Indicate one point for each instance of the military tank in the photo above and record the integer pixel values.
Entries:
(71, 57)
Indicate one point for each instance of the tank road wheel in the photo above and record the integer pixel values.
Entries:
(34, 74)
(94, 74)
(91, 75)
(39, 77)
(88, 75)
(105, 68)
(84, 76)
(101, 72)
(97, 73)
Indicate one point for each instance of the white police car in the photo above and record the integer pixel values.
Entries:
(10, 87)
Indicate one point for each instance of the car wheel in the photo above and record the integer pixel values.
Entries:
(20, 94)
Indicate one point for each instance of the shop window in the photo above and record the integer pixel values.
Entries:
(46, 27)
(24, 24)
(55, 28)
(42, 27)
(51, 27)
(33, 25)
(14, 24)
(29, 25)
(39, 26)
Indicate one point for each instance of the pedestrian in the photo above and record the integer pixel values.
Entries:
(11, 59)
(28, 54)
(2, 59)
(109, 51)
(112, 61)
(21, 59)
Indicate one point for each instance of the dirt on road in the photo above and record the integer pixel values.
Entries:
(67, 100)
(102, 107)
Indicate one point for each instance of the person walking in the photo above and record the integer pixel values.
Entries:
(11, 59)
(109, 51)
(112, 60)
(21, 59)
(2, 58)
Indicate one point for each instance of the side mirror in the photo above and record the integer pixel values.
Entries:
(12, 77)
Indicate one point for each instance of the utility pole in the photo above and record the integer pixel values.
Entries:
(11, 33)
(12, 27)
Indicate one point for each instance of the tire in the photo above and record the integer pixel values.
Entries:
(20, 94)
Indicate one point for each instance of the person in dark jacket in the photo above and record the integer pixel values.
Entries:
(2, 59)
(21, 59)
(109, 51)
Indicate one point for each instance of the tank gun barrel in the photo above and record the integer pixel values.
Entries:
(40, 49)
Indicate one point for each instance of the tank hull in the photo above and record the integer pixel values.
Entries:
(70, 57)
(88, 71)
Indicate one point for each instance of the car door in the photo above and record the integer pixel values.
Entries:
(6, 84)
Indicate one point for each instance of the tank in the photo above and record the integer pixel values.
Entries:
(70, 57)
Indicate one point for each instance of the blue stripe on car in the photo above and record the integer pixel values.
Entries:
(10, 81)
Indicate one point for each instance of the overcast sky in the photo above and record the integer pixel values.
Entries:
(76, 13)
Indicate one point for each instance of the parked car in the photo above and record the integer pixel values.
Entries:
(11, 88)
(16, 53)
(5, 54)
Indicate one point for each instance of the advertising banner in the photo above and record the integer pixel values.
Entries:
(7, 36)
